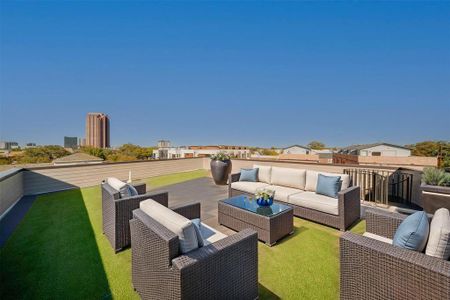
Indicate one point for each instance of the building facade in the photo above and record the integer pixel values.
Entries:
(377, 149)
(296, 149)
(168, 152)
(70, 142)
(8, 145)
(97, 130)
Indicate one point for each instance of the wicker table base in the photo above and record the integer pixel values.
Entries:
(269, 229)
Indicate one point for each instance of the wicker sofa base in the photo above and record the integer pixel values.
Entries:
(269, 229)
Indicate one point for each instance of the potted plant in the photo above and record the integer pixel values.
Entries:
(435, 189)
(220, 167)
(264, 197)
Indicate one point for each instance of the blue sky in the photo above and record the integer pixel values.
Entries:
(252, 73)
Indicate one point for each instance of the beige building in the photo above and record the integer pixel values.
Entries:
(166, 151)
(97, 130)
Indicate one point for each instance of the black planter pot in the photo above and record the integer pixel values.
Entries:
(435, 197)
(220, 171)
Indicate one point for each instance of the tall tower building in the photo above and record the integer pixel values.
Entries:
(97, 130)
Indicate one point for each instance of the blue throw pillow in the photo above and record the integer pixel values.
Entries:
(413, 232)
(328, 185)
(128, 191)
(249, 175)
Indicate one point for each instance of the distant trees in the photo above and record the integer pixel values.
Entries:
(126, 152)
(432, 148)
(316, 145)
(270, 152)
(46, 154)
(40, 154)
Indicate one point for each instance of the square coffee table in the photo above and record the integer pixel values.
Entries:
(271, 222)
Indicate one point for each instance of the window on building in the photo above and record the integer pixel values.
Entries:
(376, 153)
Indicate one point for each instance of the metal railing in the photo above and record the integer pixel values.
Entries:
(381, 186)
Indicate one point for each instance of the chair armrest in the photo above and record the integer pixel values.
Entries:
(244, 241)
(190, 211)
(371, 269)
(382, 222)
(141, 188)
(150, 238)
(349, 206)
(226, 267)
(160, 197)
(125, 206)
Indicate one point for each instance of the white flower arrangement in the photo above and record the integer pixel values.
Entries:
(265, 194)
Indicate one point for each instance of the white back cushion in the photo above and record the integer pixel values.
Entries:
(176, 223)
(295, 178)
(439, 239)
(115, 183)
(264, 173)
(313, 176)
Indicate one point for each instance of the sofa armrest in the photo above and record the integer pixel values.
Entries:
(226, 267)
(141, 188)
(371, 269)
(349, 206)
(234, 177)
(382, 222)
(190, 211)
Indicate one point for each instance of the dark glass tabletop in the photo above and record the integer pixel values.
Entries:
(250, 204)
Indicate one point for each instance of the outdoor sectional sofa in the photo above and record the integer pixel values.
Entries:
(372, 268)
(117, 212)
(297, 188)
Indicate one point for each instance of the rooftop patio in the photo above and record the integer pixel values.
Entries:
(53, 245)
(59, 251)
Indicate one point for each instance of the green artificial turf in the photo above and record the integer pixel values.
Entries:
(59, 252)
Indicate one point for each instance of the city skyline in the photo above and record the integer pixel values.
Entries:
(333, 77)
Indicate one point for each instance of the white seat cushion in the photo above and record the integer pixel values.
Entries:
(439, 238)
(209, 234)
(313, 176)
(294, 178)
(315, 201)
(115, 183)
(282, 193)
(378, 237)
(247, 186)
(264, 173)
(176, 223)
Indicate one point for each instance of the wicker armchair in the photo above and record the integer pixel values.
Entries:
(117, 212)
(371, 269)
(226, 269)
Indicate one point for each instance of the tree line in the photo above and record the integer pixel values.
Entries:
(46, 154)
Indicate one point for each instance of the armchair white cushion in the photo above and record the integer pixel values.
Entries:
(181, 226)
(115, 183)
(378, 237)
(439, 238)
